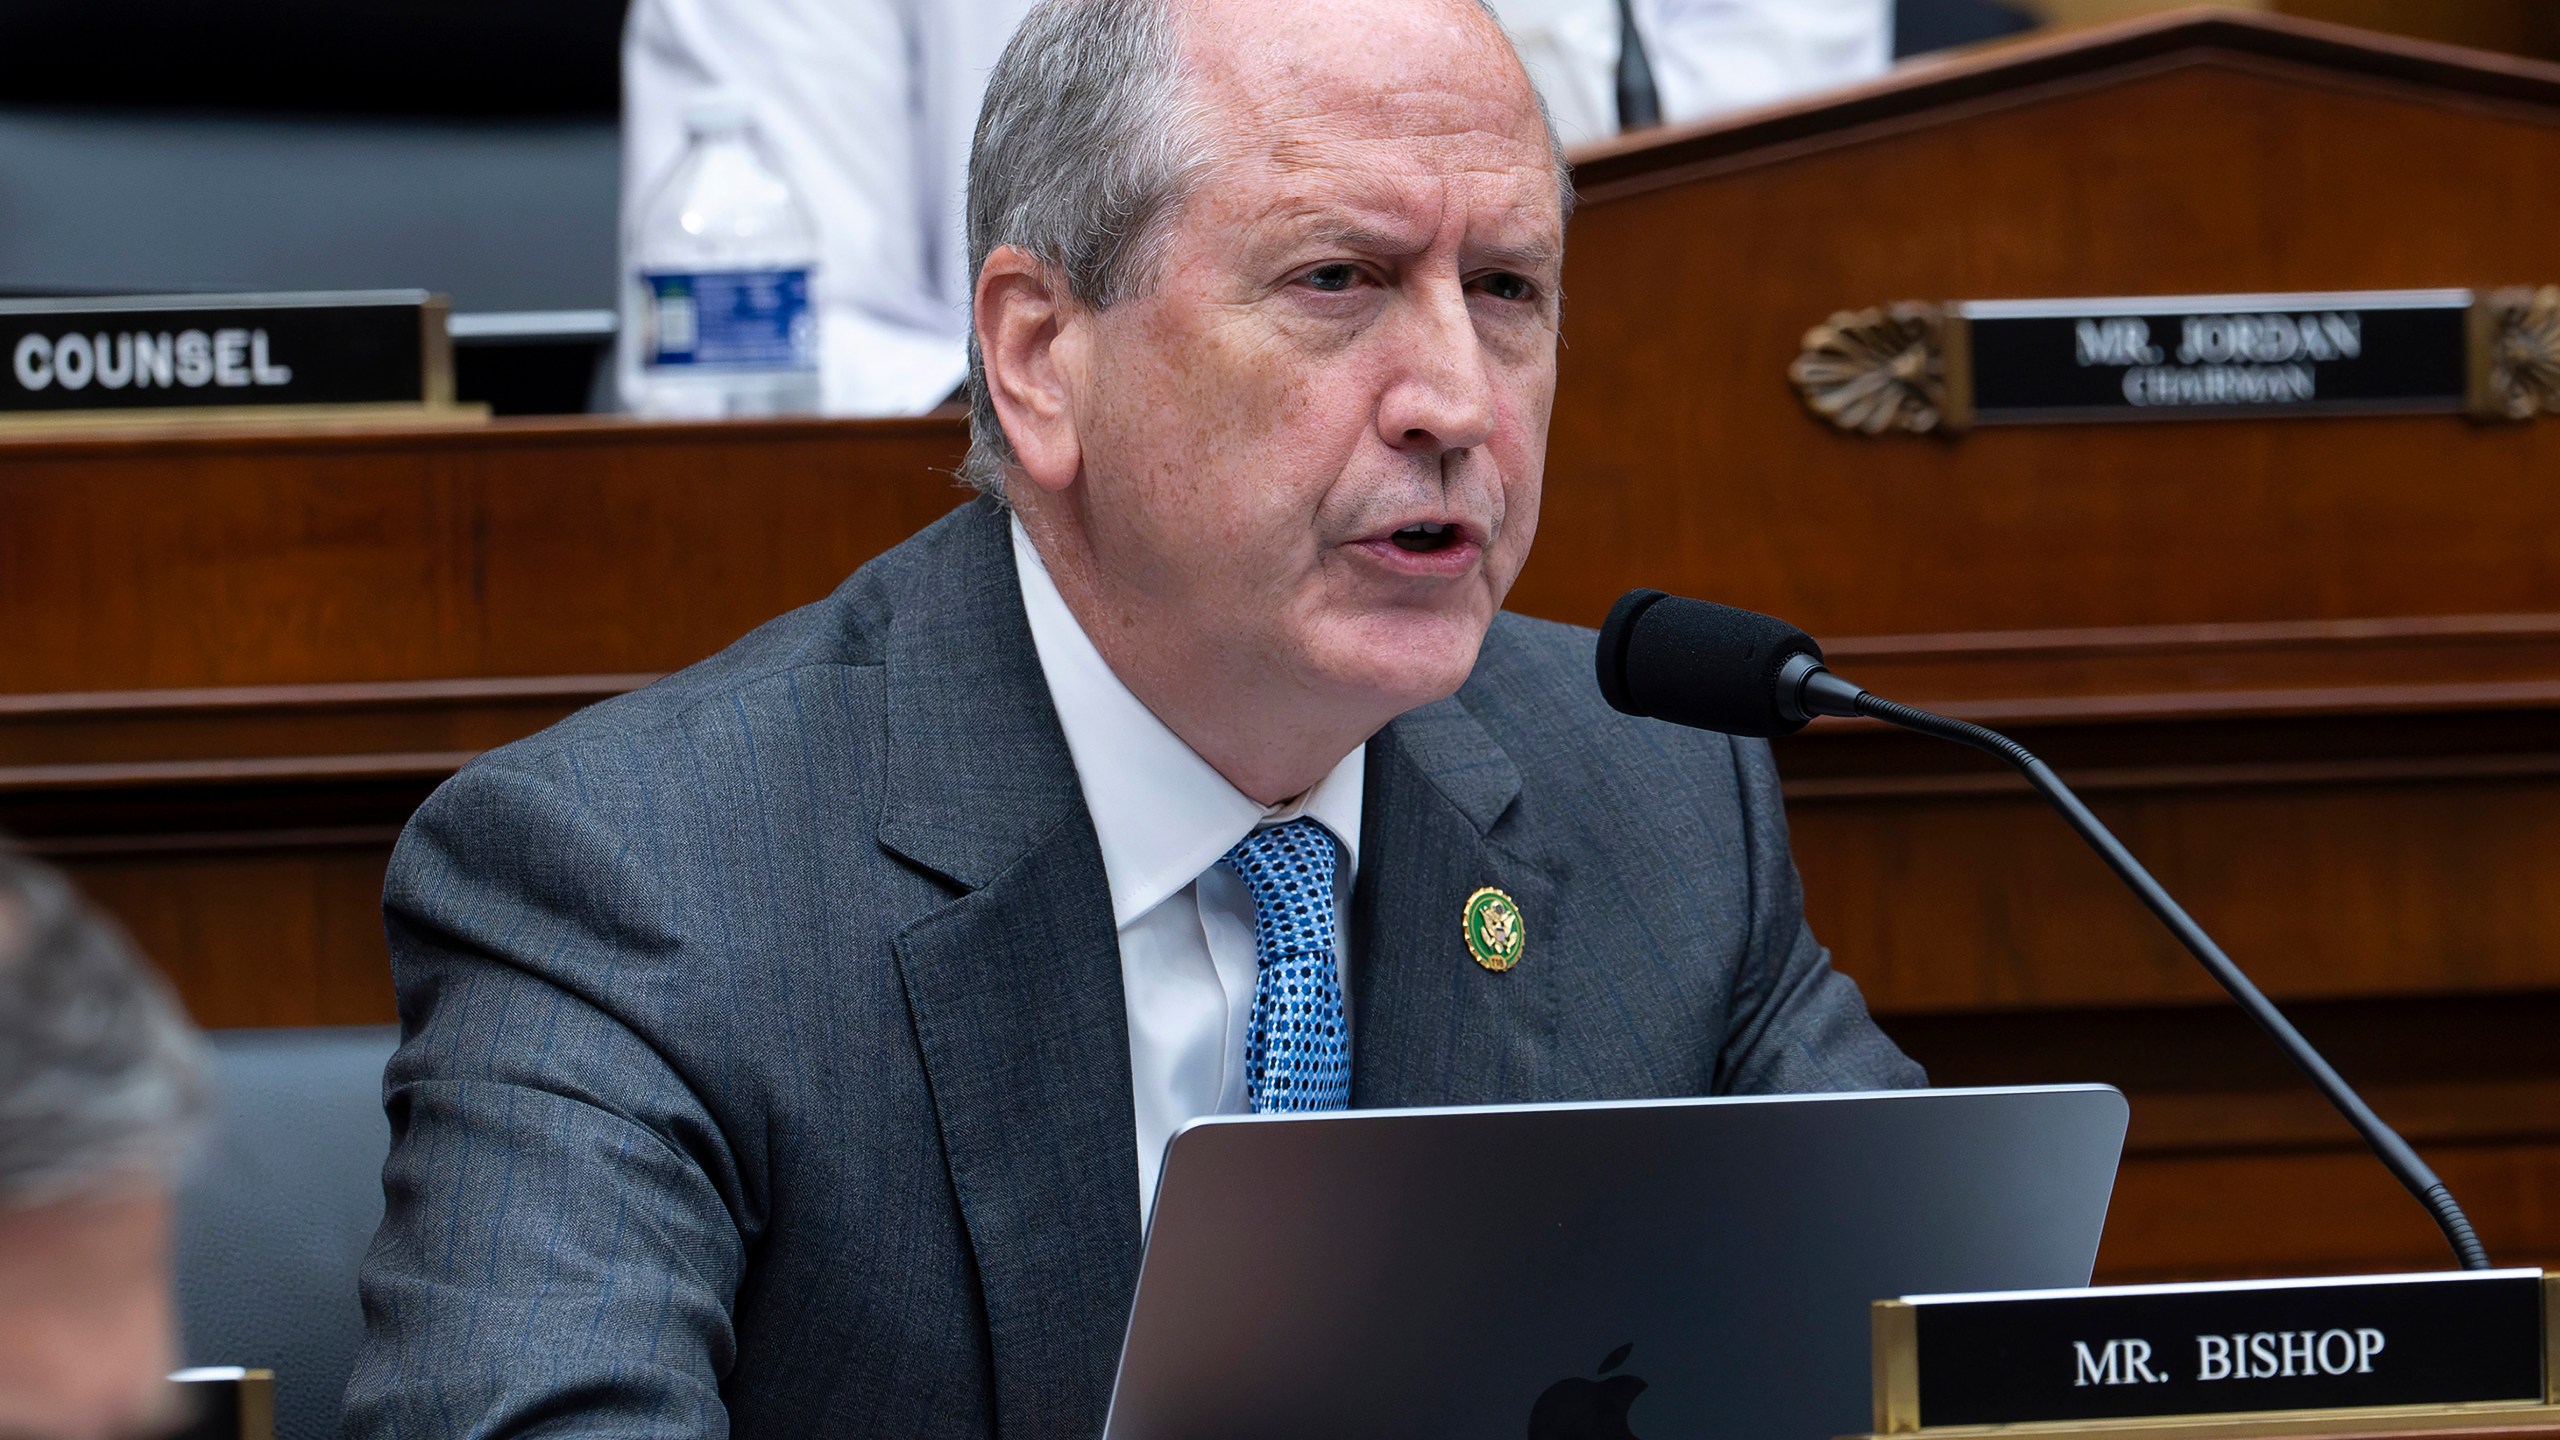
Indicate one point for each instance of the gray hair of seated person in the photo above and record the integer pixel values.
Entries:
(102, 1081)
(1087, 141)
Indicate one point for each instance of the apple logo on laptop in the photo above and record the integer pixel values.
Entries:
(1579, 1409)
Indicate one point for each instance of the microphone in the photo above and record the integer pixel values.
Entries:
(1713, 667)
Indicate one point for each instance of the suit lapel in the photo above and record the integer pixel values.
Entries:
(1014, 986)
(1430, 1026)
(1015, 992)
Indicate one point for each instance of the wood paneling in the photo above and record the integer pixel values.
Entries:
(2200, 170)
(2520, 27)
(516, 550)
(2310, 669)
(275, 929)
(2234, 1166)
(233, 663)
(2324, 879)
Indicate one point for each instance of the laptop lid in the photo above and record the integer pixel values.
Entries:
(1668, 1268)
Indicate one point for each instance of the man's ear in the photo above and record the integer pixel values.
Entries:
(1020, 313)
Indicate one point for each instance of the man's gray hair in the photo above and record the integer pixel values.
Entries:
(1087, 142)
(102, 1081)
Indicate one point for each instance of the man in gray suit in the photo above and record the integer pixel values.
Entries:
(790, 1045)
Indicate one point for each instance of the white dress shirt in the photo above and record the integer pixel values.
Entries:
(868, 106)
(1707, 55)
(1165, 819)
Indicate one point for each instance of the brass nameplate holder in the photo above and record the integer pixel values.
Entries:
(2372, 1354)
(225, 1402)
(1923, 368)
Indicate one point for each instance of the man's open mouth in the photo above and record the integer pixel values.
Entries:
(1425, 537)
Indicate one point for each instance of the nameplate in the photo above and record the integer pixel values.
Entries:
(2437, 1339)
(1945, 368)
(136, 354)
(2213, 355)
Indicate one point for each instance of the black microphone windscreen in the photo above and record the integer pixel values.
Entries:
(1693, 663)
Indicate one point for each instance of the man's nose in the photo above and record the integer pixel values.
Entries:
(1441, 396)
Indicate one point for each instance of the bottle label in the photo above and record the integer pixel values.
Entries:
(734, 319)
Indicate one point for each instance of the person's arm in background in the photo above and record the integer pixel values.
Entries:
(867, 106)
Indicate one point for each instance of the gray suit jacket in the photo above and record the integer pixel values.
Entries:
(765, 1063)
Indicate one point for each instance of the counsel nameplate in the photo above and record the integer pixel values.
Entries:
(203, 353)
(2454, 1338)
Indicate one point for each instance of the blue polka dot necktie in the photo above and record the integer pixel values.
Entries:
(1297, 1052)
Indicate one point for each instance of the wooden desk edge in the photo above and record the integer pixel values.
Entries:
(2474, 1422)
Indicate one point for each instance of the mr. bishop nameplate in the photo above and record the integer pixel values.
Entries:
(130, 355)
(2451, 1338)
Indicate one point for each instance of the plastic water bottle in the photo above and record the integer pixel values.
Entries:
(717, 314)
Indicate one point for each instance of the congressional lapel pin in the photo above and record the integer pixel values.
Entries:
(1495, 932)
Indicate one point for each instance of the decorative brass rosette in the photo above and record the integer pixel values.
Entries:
(1876, 370)
(2523, 352)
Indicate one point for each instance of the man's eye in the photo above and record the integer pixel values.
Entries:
(1333, 278)
(1505, 286)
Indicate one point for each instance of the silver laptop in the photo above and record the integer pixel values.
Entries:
(1667, 1269)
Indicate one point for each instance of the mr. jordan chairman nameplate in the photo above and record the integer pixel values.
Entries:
(1915, 367)
(205, 353)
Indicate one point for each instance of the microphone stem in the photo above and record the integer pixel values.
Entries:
(2386, 1142)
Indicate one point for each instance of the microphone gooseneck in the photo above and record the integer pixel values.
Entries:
(1782, 692)
(2395, 1152)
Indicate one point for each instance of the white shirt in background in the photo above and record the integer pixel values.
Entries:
(1165, 819)
(868, 106)
(1707, 56)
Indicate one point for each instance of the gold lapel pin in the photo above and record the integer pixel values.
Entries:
(1495, 932)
